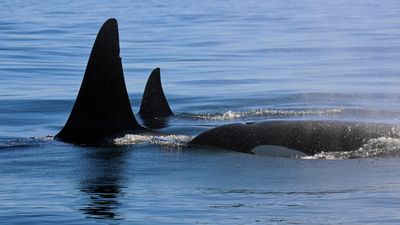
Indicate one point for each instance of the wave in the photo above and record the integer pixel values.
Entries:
(231, 115)
(166, 141)
(23, 142)
(375, 148)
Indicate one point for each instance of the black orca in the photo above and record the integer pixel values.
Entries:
(102, 110)
(154, 109)
(307, 137)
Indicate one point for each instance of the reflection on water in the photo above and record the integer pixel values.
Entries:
(103, 182)
(103, 193)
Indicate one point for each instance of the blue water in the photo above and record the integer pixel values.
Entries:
(221, 62)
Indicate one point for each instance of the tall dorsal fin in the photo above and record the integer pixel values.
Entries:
(102, 109)
(154, 104)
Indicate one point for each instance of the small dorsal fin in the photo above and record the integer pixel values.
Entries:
(102, 109)
(154, 104)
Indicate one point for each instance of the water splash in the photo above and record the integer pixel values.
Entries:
(24, 142)
(231, 115)
(166, 141)
(377, 147)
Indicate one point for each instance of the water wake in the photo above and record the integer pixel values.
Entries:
(378, 147)
(166, 141)
(231, 115)
(23, 142)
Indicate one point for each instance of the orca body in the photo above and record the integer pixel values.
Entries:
(102, 110)
(308, 137)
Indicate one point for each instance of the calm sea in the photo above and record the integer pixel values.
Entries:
(221, 62)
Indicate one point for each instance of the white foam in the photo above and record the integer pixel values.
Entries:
(168, 141)
(231, 115)
(377, 147)
(24, 142)
(46, 138)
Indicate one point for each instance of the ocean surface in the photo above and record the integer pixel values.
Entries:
(221, 62)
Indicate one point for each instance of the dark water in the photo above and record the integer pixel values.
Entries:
(221, 62)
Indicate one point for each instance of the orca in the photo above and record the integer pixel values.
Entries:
(154, 109)
(102, 110)
(308, 137)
